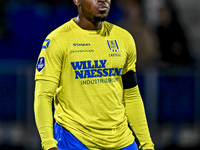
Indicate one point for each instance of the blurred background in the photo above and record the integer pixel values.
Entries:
(167, 35)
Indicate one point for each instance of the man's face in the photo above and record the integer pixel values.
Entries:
(94, 10)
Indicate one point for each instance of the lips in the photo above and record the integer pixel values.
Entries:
(103, 7)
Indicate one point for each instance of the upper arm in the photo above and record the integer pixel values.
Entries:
(129, 80)
(131, 58)
(49, 63)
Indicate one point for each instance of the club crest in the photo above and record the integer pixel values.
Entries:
(113, 46)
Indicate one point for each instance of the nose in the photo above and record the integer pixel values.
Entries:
(107, 1)
(102, 0)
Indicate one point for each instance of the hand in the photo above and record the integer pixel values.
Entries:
(54, 148)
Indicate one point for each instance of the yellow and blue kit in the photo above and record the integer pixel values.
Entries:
(86, 66)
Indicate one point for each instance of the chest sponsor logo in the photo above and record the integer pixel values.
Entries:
(94, 69)
(46, 44)
(40, 64)
(82, 51)
(113, 45)
(81, 44)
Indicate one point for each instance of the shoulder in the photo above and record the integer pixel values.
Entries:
(61, 31)
(57, 39)
(117, 29)
(119, 32)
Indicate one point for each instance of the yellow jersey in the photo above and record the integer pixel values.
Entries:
(87, 66)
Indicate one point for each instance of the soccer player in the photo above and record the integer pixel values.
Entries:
(87, 66)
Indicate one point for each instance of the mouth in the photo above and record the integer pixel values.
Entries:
(103, 7)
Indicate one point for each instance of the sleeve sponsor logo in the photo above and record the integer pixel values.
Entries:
(40, 64)
(46, 44)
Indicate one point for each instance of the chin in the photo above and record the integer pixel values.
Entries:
(100, 18)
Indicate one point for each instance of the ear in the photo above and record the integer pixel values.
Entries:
(76, 2)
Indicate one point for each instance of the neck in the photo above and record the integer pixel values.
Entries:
(88, 25)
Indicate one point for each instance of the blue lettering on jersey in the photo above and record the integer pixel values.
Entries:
(92, 69)
(113, 46)
(40, 64)
(81, 44)
(88, 64)
(46, 44)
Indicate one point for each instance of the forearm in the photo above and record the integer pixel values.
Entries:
(136, 117)
(43, 112)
